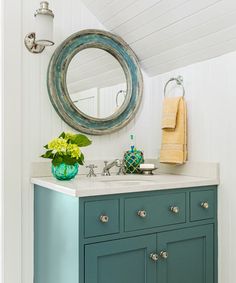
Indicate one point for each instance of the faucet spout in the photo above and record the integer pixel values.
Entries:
(108, 166)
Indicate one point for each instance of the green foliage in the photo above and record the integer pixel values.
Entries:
(57, 160)
(66, 149)
(48, 154)
(62, 135)
(81, 159)
(81, 140)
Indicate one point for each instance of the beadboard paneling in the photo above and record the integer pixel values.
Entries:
(40, 123)
(210, 95)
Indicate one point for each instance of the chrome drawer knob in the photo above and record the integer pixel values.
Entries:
(174, 209)
(164, 254)
(142, 213)
(205, 205)
(154, 257)
(104, 218)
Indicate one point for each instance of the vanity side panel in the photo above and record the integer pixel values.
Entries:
(56, 233)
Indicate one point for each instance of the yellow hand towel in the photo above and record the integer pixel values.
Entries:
(174, 131)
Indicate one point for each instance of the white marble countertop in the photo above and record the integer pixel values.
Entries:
(83, 186)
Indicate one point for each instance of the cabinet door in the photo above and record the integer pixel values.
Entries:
(189, 258)
(121, 261)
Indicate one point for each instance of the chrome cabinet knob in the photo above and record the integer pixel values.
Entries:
(154, 257)
(205, 204)
(142, 213)
(174, 209)
(164, 254)
(104, 218)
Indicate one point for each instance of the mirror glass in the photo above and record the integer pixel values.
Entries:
(96, 83)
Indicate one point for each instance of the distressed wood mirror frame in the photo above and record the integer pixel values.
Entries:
(57, 86)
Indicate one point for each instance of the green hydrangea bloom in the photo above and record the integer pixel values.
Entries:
(74, 150)
(58, 145)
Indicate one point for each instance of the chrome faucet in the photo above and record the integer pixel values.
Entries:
(108, 166)
(121, 168)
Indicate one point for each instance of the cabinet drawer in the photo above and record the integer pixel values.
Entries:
(202, 205)
(153, 211)
(101, 217)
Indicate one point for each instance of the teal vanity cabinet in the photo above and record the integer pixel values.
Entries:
(185, 255)
(125, 260)
(189, 256)
(163, 236)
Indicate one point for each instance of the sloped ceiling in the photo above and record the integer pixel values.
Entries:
(167, 34)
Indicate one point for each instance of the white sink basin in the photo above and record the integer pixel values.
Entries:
(126, 180)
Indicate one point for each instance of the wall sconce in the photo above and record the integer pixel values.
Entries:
(36, 42)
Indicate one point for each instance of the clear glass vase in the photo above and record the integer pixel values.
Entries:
(65, 171)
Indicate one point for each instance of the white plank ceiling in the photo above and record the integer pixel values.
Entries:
(167, 34)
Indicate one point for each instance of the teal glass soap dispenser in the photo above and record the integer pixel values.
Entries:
(133, 158)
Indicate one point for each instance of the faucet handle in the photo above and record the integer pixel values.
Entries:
(91, 166)
(91, 170)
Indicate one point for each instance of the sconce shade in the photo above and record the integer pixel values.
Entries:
(44, 29)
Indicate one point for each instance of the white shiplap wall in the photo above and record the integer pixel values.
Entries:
(171, 33)
(211, 99)
(40, 121)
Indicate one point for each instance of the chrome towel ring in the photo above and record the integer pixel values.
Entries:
(179, 80)
(118, 94)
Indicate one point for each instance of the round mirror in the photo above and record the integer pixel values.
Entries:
(94, 82)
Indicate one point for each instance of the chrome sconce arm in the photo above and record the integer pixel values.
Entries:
(31, 45)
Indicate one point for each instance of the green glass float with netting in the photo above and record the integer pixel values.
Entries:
(132, 160)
